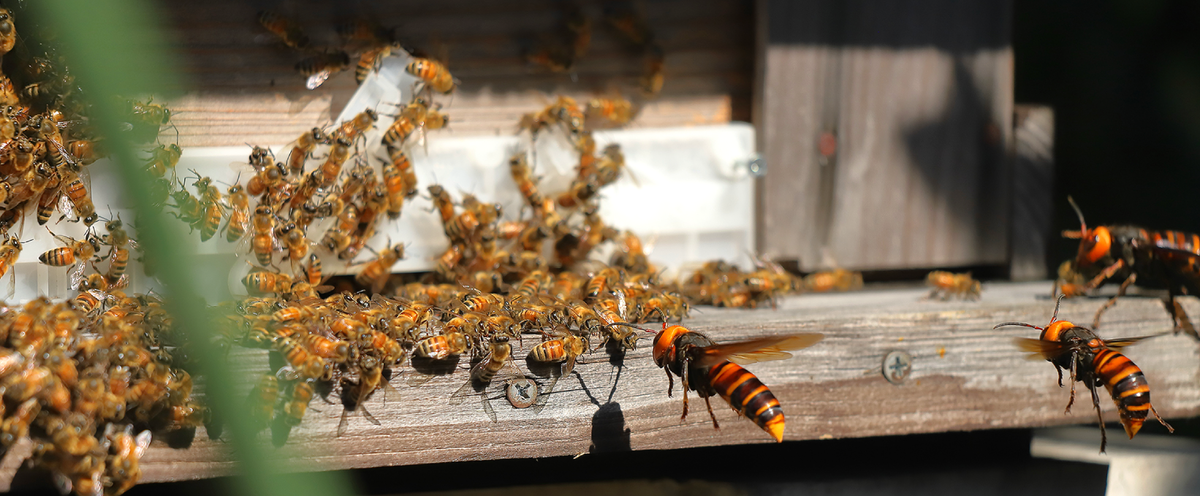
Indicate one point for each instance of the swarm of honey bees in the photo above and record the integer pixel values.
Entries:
(90, 380)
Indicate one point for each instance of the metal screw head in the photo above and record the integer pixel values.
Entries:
(896, 366)
(522, 392)
(757, 166)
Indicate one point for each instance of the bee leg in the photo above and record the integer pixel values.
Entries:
(711, 414)
(684, 379)
(1099, 416)
(1113, 301)
(1072, 400)
(1160, 420)
(670, 382)
(1059, 369)
(1182, 322)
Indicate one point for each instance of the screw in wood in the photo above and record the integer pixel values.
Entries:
(896, 366)
(522, 392)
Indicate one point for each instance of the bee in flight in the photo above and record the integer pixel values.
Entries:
(1094, 362)
(715, 369)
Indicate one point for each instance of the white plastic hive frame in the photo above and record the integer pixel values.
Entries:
(686, 192)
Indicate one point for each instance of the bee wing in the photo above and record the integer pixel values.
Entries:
(1040, 349)
(141, 443)
(758, 350)
(66, 207)
(316, 80)
(71, 161)
(1184, 265)
(76, 276)
(1120, 343)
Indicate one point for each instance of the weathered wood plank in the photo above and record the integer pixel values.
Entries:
(237, 87)
(1033, 191)
(918, 96)
(965, 376)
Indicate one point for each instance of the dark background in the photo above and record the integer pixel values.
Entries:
(1124, 81)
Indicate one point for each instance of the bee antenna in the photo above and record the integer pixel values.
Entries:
(1082, 225)
(1017, 324)
(1054, 317)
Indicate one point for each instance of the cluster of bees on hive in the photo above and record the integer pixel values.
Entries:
(86, 380)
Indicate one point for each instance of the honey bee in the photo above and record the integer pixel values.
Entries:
(370, 61)
(563, 350)
(399, 131)
(339, 237)
(407, 321)
(612, 111)
(834, 280)
(303, 148)
(263, 281)
(442, 202)
(399, 160)
(48, 201)
(268, 177)
(301, 364)
(126, 450)
(163, 158)
(149, 113)
(436, 119)
(263, 242)
(376, 272)
(361, 122)
(77, 195)
(239, 213)
(85, 151)
(286, 29)
(332, 167)
(432, 74)
(312, 270)
(947, 284)
(339, 351)
(651, 82)
(355, 394)
(319, 68)
(483, 374)
(16, 427)
(295, 241)
(8, 32)
(74, 253)
(297, 405)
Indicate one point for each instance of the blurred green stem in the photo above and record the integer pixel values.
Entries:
(115, 47)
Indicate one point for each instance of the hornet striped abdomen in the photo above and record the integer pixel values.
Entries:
(1127, 385)
(748, 396)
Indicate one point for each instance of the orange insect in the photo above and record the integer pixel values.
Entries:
(713, 369)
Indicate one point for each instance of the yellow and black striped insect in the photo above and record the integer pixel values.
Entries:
(713, 369)
(1094, 362)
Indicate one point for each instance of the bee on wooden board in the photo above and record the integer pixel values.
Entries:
(715, 369)
(432, 74)
(948, 284)
(497, 367)
(1094, 362)
(320, 67)
(1133, 255)
(287, 30)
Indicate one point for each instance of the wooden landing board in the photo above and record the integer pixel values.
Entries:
(965, 376)
(236, 85)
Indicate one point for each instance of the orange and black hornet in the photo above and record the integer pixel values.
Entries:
(1094, 362)
(715, 369)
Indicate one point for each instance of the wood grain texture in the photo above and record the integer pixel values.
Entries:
(965, 376)
(1033, 191)
(919, 97)
(238, 86)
